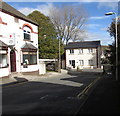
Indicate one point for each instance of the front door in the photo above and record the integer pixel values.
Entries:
(73, 63)
(13, 61)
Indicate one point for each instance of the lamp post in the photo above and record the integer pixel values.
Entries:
(116, 18)
(59, 59)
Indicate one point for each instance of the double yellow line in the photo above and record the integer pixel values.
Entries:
(85, 91)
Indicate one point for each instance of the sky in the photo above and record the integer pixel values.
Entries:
(97, 23)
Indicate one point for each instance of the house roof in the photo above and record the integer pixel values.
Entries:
(83, 44)
(28, 47)
(12, 11)
(3, 46)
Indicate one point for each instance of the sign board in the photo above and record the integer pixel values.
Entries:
(11, 39)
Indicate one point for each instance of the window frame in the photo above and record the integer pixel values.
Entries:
(29, 54)
(71, 51)
(80, 51)
(81, 62)
(90, 62)
(90, 50)
(6, 58)
(16, 20)
(27, 33)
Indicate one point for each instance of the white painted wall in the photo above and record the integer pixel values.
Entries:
(42, 68)
(14, 29)
(85, 56)
(4, 72)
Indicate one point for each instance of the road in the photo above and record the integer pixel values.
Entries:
(46, 96)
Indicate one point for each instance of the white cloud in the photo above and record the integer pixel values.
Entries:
(99, 17)
(42, 8)
(26, 11)
(104, 37)
(104, 29)
(111, 5)
(92, 25)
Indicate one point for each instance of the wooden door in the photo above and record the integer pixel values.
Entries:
(13, 61)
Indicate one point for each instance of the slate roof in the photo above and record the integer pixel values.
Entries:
(84, 44)
(28, 47)
(12, 11)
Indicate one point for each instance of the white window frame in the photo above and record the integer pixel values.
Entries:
(27, 31)
(90, 62)
(81, 62)
(90, 50)
(81, 51)
(16, 20)
(3, 61)
(29, 55)
(71, 51)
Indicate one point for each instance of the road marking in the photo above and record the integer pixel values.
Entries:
(44, 97)
(80, 95)
(87, 88)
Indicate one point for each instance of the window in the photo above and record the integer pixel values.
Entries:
(3, 60)
(81, 62)
(71, 51)
(80, 51)
(16, 20)
(90, 62)
(90, 50)
(30, 58)
(27, 33)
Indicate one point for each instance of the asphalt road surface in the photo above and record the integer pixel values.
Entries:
(45, 97)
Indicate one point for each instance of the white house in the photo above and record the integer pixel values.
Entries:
(84, 54)
(18, 42)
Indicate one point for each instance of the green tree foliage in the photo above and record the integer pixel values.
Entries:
(48, 42)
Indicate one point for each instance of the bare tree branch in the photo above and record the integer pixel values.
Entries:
(68, 21)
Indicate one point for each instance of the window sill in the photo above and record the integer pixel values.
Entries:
(4, 67)
(91, 53)
(28, 64)
(28, 41)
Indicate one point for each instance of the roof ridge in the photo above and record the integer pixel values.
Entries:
(85, 41)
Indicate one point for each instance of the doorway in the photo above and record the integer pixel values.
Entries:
(73, 63)
(13, 61)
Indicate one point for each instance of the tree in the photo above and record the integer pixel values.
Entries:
(68, 21)
(47, 36)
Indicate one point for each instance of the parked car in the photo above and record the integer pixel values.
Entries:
(50, 66)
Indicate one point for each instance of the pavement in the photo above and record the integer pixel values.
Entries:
(49, 77)
(104, 99)
(19, 78)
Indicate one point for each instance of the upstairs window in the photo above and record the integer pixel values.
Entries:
(80, 51)
(16, 20)
(27, 33)
(71, 51)
(90, 50)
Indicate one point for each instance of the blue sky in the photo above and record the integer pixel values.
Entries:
(96, 24)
